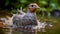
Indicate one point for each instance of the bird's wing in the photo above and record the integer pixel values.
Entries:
(15, 20)
(26, 20)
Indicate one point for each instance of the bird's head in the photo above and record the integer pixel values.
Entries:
(32, 7)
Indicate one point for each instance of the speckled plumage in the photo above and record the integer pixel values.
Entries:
(27, 19)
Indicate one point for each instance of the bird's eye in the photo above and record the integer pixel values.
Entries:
(32, 5)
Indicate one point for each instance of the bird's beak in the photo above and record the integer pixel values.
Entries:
(37, 7)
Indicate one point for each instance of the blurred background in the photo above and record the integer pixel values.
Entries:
(49, 11)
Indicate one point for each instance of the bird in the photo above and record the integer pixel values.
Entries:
(29, 17)
(26, 20)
